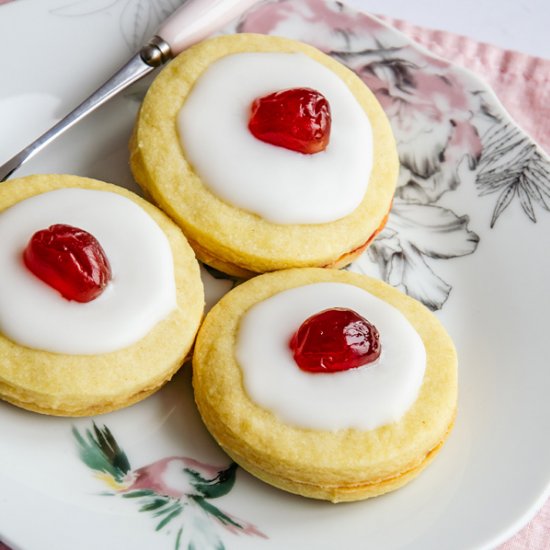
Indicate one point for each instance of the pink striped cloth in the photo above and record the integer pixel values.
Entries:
(522, 83)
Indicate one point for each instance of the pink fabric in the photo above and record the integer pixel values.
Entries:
(522, 83)
(535, 535)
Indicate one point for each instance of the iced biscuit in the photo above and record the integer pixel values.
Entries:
(62, 357)
(338, 436)
(247, 206)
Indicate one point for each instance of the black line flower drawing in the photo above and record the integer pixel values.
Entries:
(513, 167)
(138, 19)
(416, 235)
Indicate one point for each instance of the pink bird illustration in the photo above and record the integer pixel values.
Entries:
(171, 488)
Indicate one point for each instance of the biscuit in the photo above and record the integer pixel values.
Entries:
(77, 385)
(337, 465)
(229, 238)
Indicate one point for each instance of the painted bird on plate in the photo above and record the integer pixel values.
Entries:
(170, 488)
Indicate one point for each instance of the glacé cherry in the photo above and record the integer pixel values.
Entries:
(335, 340)
(298, 119)
(70, 260)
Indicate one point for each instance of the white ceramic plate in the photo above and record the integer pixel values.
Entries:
(462, 238)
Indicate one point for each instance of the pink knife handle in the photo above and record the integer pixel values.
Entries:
(197, 19)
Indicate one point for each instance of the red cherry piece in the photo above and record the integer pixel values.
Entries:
(335, 340)
(70, 260)
(298, 119)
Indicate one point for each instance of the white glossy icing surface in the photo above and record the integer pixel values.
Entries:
(364, 398)
(141, 293)
(282, 186)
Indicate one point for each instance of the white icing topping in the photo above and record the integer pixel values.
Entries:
(141, 293)
(280, 185)
(364, 398)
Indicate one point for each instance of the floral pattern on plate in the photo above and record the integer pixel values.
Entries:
(138, 18)
(175, 489)
(448, 134)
